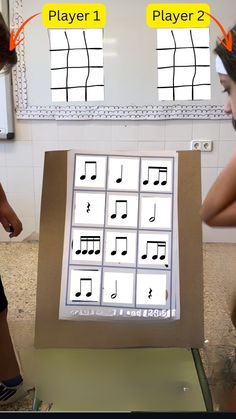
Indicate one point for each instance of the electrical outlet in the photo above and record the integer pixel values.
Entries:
(202, 145)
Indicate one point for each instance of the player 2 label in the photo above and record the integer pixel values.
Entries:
(74, 15)
(182, 15)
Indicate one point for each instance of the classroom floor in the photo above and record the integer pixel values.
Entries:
(18, 269)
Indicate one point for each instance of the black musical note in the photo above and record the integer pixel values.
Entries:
(88, 207)
(152, 219)
(83, 281)
(150, 293)
(114, 295)
(89, 240)
(157, 244)
(87, 163)
(124, 252)
(119, 180)
(161, 170)
(119, 203)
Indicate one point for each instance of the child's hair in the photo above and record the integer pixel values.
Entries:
(228, 58)
(7, 58)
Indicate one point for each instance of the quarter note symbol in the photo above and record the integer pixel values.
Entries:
(157, 173)
(114, 295)
(119, 180)
(119, 204)
(157, 245)
(88, 282)
(152, 219)
(89, 242)
(123, 252)
(92, 166)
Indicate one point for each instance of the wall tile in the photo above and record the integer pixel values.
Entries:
(226, 150)
(90, 146)
(23, 129)
(3, 178)
(124, 146)
(210, 159)
(218, 235)
(19, 154)
(227, 131)
(152, 131)
(20, 179)
(83, 131)
(206, 130)
(46, 131)
(174, 146)
(178, 130)
(151, 145)
(125, 131)
(2, 154)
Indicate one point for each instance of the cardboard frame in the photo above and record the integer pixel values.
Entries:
(55, 333)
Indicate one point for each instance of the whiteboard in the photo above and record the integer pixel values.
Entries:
(130, 65)
(6, 97)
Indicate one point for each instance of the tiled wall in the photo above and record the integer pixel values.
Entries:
(21, 161)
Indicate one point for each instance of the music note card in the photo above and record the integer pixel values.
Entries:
(91, 168)
(123, 173)
(121, 237)
(90, 172)
(84, 284)
(119, 205)
(119, 248)
(89, 208)
(86, 246)
(118, 287)
(154, 249)
(122, 210)
(121, 244)
(156, 211)
(89, 245)
(157, 175)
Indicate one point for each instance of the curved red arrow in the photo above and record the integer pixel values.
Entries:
(13, 38)
(228, 40)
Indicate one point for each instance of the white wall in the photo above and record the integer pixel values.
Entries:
(21, 161)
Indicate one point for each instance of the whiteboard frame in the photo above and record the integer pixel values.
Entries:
(148, 112)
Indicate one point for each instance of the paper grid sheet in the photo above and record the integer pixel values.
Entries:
(118, 256)
(77, 68)
(183, 64)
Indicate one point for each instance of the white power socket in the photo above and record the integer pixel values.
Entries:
(202, 145)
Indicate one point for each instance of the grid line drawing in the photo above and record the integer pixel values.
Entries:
(183, 64)
(77, 65)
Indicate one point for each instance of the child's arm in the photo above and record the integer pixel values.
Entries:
(219, 207)
(8, 217)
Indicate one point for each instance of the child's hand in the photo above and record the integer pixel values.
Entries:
(9, 220)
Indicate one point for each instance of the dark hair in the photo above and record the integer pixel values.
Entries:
(7, 58)
(228, 58)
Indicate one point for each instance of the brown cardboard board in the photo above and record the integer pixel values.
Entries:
(54, 333)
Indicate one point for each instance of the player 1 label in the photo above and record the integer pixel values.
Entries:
(74, 15)
(180, 15)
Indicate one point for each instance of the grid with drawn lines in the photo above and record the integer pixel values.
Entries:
(183, 64)
(77, 68)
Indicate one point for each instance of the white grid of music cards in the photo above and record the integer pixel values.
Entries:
(121, 253)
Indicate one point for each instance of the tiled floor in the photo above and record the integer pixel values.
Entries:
(18, 268)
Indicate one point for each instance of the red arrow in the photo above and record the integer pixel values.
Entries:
(228, 40)
(13, 38)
